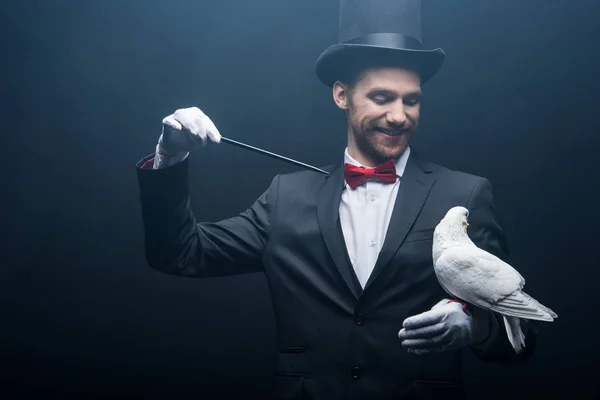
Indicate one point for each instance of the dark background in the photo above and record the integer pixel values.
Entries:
(84, 86)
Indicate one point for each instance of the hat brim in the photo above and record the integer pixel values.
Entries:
(337, 58)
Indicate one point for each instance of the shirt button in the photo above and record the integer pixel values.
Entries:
(372, 243)
(356, 372)
(358, 319)
(372, 198)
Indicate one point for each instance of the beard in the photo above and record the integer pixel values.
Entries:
(371, 141)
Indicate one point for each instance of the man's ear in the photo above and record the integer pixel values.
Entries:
(341, 94)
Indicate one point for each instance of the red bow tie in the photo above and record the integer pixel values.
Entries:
(354, 175)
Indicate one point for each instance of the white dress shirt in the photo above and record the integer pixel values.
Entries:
(365, 214)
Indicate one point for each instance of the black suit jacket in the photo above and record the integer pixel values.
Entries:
(334, 339)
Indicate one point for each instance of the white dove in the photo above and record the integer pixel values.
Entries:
(480, 278)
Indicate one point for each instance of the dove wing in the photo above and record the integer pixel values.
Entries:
(476, 276)
(481, 278)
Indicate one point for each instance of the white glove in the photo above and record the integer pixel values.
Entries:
(445, 327)
(183, 131)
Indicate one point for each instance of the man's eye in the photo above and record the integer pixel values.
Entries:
(412, 102)
(380, 99)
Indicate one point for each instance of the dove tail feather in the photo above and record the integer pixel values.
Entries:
(541, 306)
(520, 312)
(520, 304)
(514, 333)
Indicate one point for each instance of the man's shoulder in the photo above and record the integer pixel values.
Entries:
(454, 186)
(306, 176)
(301, 184)
(446, 173)
(454, 180)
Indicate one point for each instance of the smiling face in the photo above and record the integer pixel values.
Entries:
(382, 106)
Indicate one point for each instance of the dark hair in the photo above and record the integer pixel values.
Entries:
(354, 65)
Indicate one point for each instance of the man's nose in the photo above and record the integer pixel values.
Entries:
(396, 115)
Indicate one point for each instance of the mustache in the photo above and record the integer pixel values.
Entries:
(391, 129)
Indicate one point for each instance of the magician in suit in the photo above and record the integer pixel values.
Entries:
(347, 255)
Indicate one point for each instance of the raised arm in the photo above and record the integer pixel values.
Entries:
(175, 242)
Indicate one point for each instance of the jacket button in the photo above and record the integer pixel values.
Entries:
(356, 372)
(358, 319)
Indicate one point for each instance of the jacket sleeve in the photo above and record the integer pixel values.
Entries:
(175, 243)
(486, 231)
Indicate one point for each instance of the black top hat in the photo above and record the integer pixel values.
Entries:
(372, 29)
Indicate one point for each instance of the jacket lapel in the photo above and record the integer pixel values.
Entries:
(328, 204)
(415, 186)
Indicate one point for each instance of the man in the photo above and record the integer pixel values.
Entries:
(358, 309)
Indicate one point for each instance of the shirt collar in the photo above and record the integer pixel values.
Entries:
(400, 161)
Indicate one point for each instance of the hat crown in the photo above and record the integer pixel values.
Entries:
(361, 17)
(372, 31)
